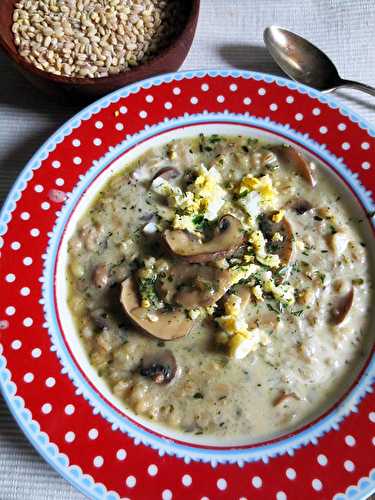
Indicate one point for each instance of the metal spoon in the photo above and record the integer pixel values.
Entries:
(305, 63)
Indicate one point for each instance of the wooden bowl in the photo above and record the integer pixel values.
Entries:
(69, 90)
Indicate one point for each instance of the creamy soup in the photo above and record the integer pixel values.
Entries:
(221, 287)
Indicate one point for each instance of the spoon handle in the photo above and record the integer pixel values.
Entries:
(359, 86)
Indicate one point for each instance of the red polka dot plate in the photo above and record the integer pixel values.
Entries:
(69, 417)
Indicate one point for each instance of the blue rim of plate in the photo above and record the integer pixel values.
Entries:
(23, 417)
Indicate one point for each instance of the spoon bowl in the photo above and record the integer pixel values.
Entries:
(304, 62)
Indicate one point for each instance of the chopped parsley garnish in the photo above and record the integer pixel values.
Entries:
(322, 277)
(297, 313)
(214, 138)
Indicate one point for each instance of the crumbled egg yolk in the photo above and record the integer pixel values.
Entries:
(258, 242)
(185, 222)
(233, 321)
(262, 185)
(239, 339)
(239, 273)
(145, 303)
(239, 346)
(207, 197)
(258, 293)
(176, 197)
(194, 313)
(208, 192)
(282, 293)
(278, 216)
(211, 309)
(269, 260)
(277, 237)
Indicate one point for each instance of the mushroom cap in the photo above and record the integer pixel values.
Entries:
(167, 173)
(160, 366)
(195, 285)
(301, 206)
(292, 157)
(341, 310)
(170, 324)
(227, 238)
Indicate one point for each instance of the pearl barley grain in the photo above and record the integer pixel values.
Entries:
(94, 39)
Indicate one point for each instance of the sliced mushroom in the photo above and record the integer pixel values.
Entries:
(227, 238)
(284, 396)
(301, 206)
(284, 248)
(100, 276)
(195, 286)
(338, 242)
(267, 320)
(167, 173)
(161, 366)
(342, 308)
(169, 325)
(292, 157)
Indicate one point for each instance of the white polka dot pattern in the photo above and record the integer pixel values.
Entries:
(257, 482)
(131, 481)
(16, 344)
(317, 484)
(50, 382)
(280, 495)
(27, 322)
(70, 437)
(152, 470)
(28, 377)
(98, 461)
(166, 495)
(291, 473)
(349, 466)
(93, 433)
(121, 454)
(46, 408)
(69, 409)
(350, 440)
(221, 484)
(186, 480)
(322, 460)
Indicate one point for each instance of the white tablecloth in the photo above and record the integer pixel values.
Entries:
(229, 35)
